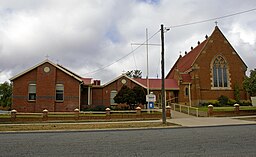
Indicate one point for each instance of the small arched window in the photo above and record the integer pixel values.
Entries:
(220, 71)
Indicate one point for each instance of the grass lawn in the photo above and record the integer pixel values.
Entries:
(81, 126)
(5, 116)
(205, 108)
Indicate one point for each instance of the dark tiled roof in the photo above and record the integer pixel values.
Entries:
(186, 62)
(157, 83)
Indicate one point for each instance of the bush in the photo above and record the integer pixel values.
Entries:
(231, 102)
(95, 108)
(223, 100)
(245, 103)
(215, 103)
(122, 107)
(249, 83)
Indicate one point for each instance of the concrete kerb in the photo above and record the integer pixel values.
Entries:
(209, 121)
(178, 123)
(90, 130)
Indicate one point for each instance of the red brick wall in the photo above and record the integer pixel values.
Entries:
(45, 91)
(71, 92)
(116, 85)
(201, 74)
(97, 98)
(218, 45)
(201, 88)
(20, 92)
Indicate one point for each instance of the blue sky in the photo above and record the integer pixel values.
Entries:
(90, 37)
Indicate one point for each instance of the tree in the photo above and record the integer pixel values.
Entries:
(250, 83)
(134, 74)
(5, 94)
(140, 94)
(125, 95)
(237, 92)
(131, 97)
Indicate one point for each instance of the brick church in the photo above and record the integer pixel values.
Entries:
(211, 69)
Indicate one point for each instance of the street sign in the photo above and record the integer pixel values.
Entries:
(151, 105)
(151, 97)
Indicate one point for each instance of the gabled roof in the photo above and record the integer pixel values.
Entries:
(153, 83)
(157, 83)
(75, 76)
(185, 63)
(124, 75)
(87, 81)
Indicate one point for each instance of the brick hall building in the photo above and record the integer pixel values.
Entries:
(211, 69)
(51, 86)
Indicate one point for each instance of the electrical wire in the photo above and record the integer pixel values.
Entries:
(212, 19)
(170, 27)
(134, 58)
(108, 65)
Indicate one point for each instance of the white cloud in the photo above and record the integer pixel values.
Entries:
(88, 35)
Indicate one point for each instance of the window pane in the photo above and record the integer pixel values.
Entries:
(215, 76)
(60, 87)
(59, 92)
(59, 96)
(32, 92)
(225, 76)
(186, 91)
(32, 88)
(220, 77)
(31, 96)
(112, 95)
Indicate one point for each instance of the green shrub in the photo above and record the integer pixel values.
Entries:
(245, 103)
(215, 103)
(223, 100)
(231, 102)
(95, 108)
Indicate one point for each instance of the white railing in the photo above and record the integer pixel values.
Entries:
(188, 108)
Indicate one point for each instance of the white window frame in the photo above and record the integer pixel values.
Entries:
(59, 92)
(113, 93)
(220, 74)
(32, 92)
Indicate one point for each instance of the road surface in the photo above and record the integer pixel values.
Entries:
(201, 141)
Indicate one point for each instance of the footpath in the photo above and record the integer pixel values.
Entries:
(191, 121)
(180, 119)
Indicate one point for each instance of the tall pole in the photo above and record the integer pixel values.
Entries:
(163, 77)
(147, 66)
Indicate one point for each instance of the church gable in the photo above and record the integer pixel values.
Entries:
(218, 45)
(220, 65)
(211, 69)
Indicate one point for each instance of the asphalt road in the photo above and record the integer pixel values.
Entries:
(202, 141)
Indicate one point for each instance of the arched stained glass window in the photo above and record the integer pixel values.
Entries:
(220, 77)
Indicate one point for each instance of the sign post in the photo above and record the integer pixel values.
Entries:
(150, 98)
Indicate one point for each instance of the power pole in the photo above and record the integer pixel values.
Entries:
(147, 67)
(163, 77)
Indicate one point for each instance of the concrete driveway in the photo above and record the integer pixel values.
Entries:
(191, 121)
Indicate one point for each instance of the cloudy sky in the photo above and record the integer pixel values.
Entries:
(94, 38)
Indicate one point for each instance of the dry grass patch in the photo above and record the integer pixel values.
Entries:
(81, 126)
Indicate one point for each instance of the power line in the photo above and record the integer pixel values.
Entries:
(216, 18)
(104, 67)
(171, 27)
